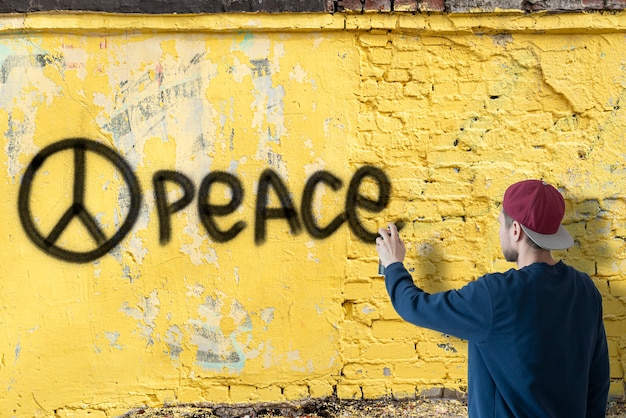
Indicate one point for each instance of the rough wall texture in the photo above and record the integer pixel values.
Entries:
(329, 6)
(189, 201)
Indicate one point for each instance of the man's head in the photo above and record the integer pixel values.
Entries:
(538, 208)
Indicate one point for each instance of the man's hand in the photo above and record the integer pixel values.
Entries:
(389, 246)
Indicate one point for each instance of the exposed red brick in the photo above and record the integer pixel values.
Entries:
(593, 4)
(615, 4)
(349, 5)
(432, 5)
(377, 5)
(405, 5)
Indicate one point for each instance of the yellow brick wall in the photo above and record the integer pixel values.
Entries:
(451, 108)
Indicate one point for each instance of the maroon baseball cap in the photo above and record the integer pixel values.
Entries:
(539, 209)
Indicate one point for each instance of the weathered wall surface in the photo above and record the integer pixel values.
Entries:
(189, 200)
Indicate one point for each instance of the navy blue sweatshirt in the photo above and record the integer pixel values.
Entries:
(536, 341)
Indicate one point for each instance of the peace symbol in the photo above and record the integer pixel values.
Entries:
(48, 243)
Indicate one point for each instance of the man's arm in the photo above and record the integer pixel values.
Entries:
(465, 313)
(599, 377)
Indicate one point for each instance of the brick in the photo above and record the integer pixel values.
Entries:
(397, 75)
(441, 348)
(380, 56)
(370, 71)
(375, 391)
(388, 123)
(377, 6)
(617, 372)
(615, 328)
(613, 208)
(387, 312)
(358, 272)
(432, 5)
(217, 394)
(613, 346)
(593, 4)
(349, 5)
(295, 392)
(389, 89)
(365, 313)
(394, 350)
(362, 371)
(351, 351)
(393, 329)
(452, 157)
(583, 210)
(422, 370)
(410, 42)
(243, 393)
(359, 291)
(355, 331)
(618, 288)
(432, 393)
(373, 40)
(349, 391)
(616, 390)
(271, 394)
(369, 89)
(390, 106)
(576, 229)
(403, 391)
(478, 6)
(190, 394)
(453, 394)
(416, 89)
(457, 371)
(380, 139)
(602, 285)
(583, 264)
(320, 389)
(405, 5)
(613, 307)
(608, 268)
(615, 4)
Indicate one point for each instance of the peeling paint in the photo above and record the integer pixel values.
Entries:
(113, 337)
(215, 350)
(149, 323)
(174, 339)
(145, 312)
(18, 350)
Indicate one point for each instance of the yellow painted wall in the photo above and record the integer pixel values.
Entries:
(451, 108)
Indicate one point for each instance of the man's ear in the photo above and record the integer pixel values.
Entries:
(517, 231)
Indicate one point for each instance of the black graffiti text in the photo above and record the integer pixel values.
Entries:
(211, 210)
(271, 183)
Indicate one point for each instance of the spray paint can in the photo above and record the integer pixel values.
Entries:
(399, 225)
(381, 268)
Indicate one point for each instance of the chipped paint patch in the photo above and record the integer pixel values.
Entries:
(145, 312)
(218, 336)
(174, 340)
(112, 337)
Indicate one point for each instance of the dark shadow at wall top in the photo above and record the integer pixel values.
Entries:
(166, 6)
(309, 6)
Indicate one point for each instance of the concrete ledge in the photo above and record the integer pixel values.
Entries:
(421, 23)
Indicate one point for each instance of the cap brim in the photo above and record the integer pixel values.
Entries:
(559, 241)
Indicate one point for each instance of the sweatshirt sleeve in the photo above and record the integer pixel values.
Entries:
(599, 378)
(466, 313)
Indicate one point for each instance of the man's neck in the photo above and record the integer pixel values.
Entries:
(528, 256)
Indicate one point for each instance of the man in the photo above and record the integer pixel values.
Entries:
(536, 341)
